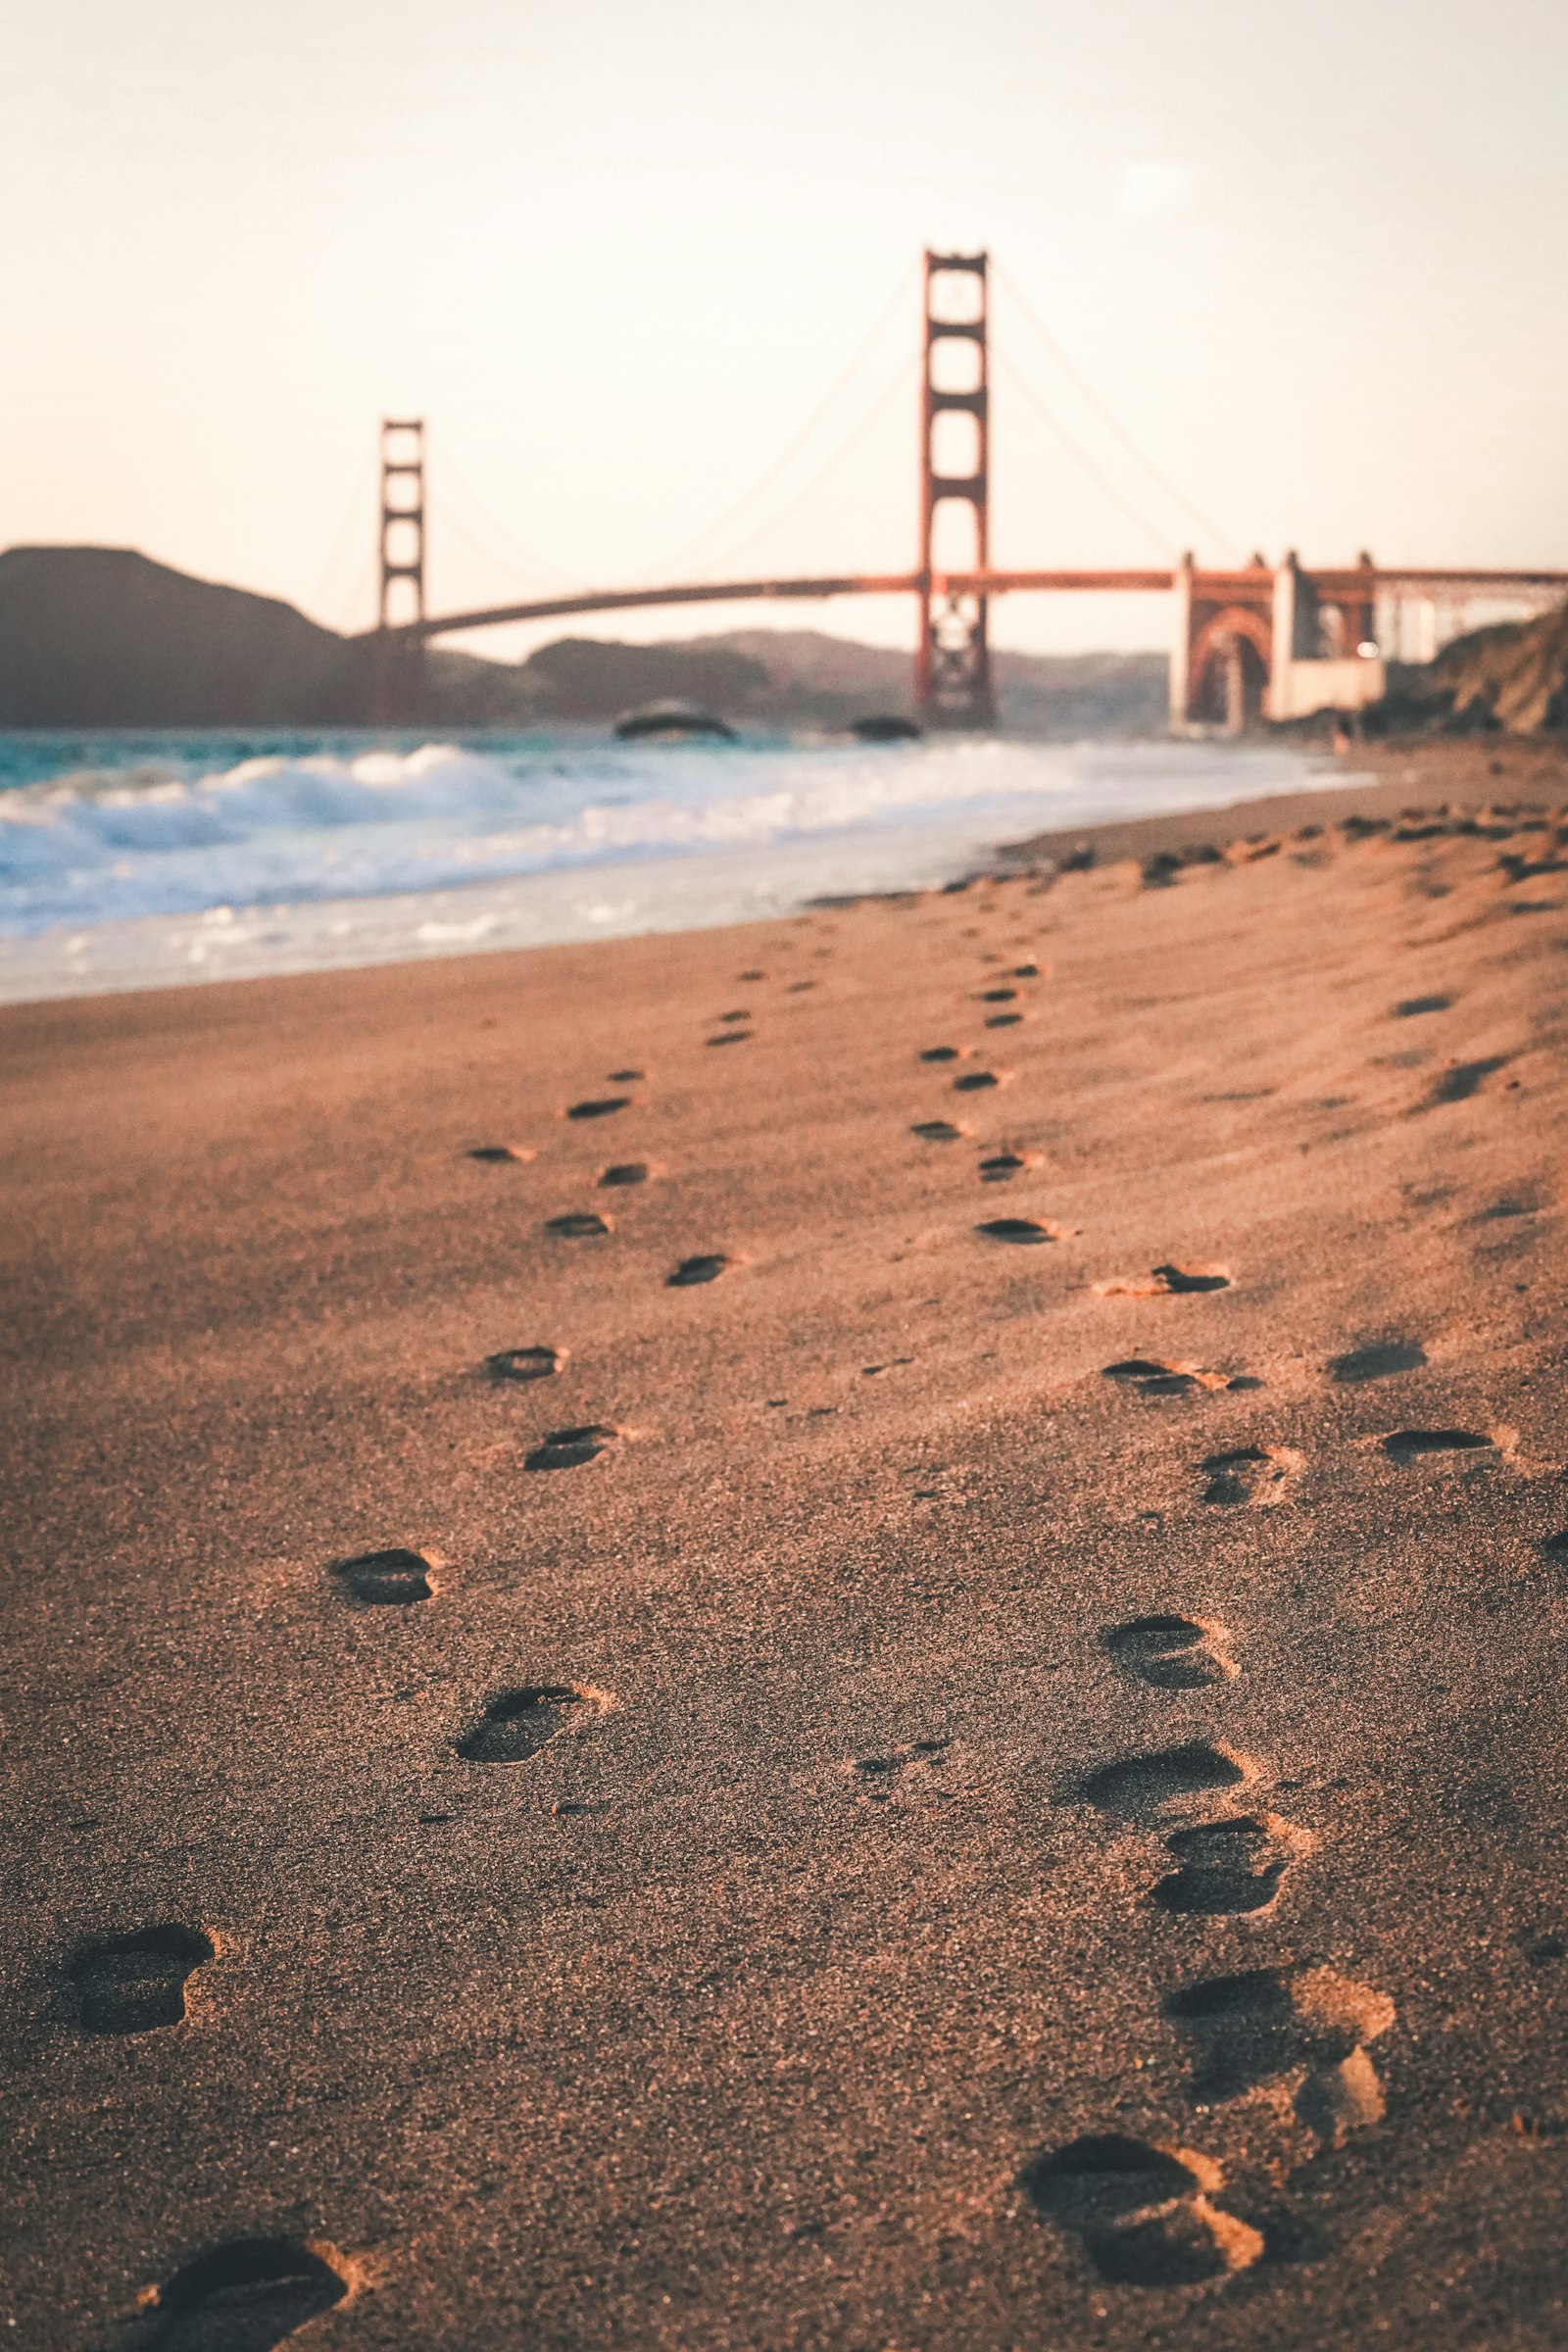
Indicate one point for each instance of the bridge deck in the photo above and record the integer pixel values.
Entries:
(1356, 580)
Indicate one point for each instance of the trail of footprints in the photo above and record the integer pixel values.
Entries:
(1150, 2214)
(582, 1224)
(1146, 2213)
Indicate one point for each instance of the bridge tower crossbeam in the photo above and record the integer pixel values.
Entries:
(953, 658)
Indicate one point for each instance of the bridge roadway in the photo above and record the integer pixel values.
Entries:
(1355, 582)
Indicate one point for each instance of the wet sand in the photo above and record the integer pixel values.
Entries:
(967, 1746)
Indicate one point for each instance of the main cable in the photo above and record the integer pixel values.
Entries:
(497, 536)
(840, 384)
(365, 584)
(898, 383)
(1086, 389)
(323, 600)
(454, 527)
(1081, 458)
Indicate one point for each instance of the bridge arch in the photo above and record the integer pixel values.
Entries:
(1230, 666)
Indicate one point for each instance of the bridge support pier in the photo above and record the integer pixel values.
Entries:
(1273, 644)
(953, 658)
(1319, 632)
(1181, 646)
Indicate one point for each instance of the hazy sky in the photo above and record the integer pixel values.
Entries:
(619, 254)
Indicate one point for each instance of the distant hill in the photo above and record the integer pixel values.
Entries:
(1514, 675)
(100, 636)
(589, 679)
(814, 679)
(105, 637)
(1512, 678)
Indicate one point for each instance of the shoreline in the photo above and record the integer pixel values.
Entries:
(1423, 772)
(668, 894)
(763, 835)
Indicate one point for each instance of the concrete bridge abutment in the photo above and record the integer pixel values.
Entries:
(1271, 643)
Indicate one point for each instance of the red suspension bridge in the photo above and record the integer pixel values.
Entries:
(1276, 641)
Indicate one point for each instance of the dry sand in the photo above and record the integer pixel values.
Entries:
(919, 1841)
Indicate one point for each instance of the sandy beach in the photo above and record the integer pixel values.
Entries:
(845, 1633)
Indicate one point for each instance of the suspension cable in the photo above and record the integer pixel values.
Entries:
(1081, 458)
(454, 528)
(321, 602)
(501, 543)
(362, 595)
(898, 383)
(823, 408)
(1081, 383)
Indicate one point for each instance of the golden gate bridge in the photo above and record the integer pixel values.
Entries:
(1257, 641)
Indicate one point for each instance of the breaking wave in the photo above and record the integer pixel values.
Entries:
(169, 836)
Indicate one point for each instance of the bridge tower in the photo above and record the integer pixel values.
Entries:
(399, 665)
(953, 661)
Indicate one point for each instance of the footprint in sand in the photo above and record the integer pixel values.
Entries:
(245, 2296)
(497, 1152)
(599, 1107)
(518, 1723)
(524, 1363)
(997, 996)
(976, 1082)
(694, 1270)
(1377, 1359)
(1001, 1166)
(1146, 1787)
(1003, 1020)
(729, 1037)
(577, 1225)
(943, 1054)
(1027, 1231)
(1166, 1282)
(136, 1984)
(1307, 2028)
(626, 1077)
(1524, 869)
(938, 1131)
(393, 1579)
(1411, 1006)
(1143, 2214)
(1226, 1868)
(878, 1780)
(1463, 1080)
(1258, 1476)
(1407, 1446)
(1526, 1204)
(1149, 1378)
(1173, 1653)
(623, 1172)
(570, 1449)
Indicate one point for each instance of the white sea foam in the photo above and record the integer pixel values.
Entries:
(231, 859)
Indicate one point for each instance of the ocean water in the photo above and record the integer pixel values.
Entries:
(131, 860)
